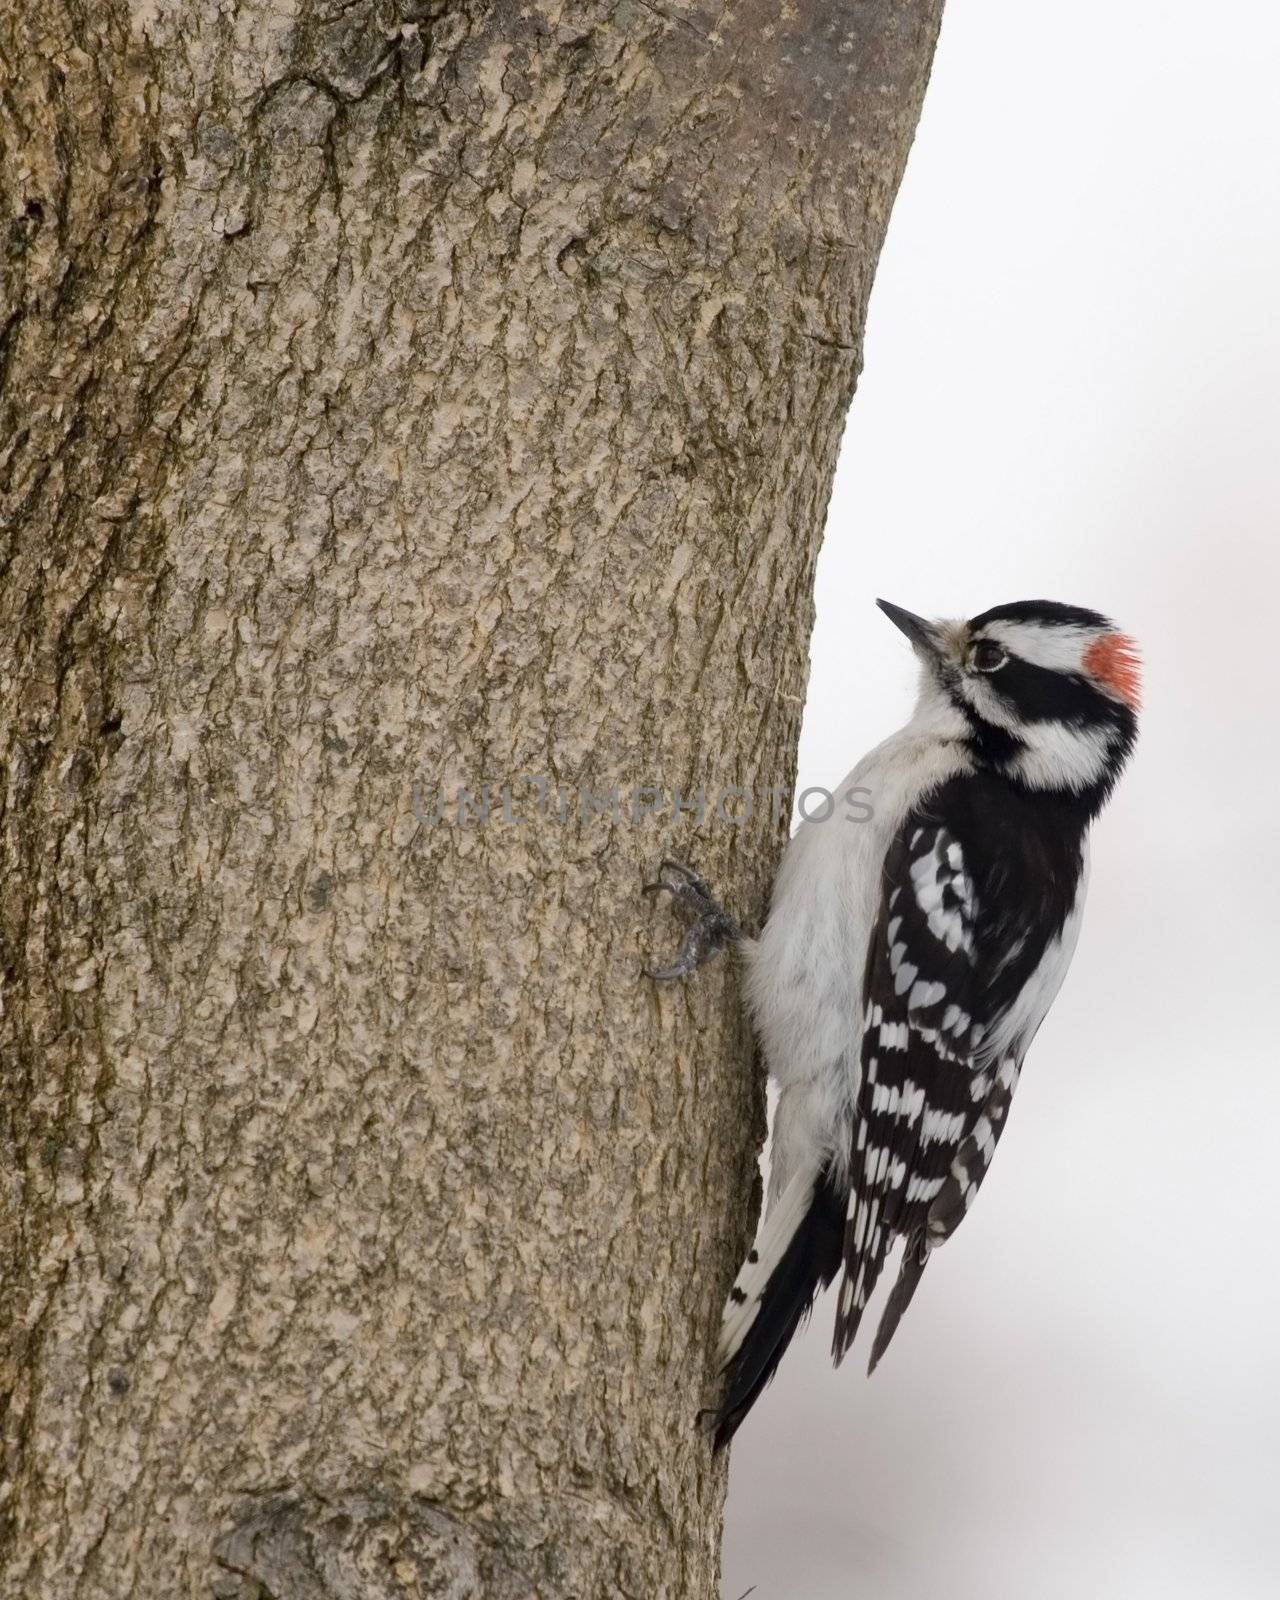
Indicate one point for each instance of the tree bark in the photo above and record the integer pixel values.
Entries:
(398, 399)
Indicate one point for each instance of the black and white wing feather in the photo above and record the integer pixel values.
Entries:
(932, 1100)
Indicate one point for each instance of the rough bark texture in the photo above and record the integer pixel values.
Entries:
(396, 394)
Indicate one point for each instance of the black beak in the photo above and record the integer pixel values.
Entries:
(921, 633)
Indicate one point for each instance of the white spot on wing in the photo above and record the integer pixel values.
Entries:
(926, 994)
(923, 1188)
(942, 1127)
(944, 894)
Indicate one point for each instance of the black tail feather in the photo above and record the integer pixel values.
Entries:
(811, 1260)
(914, 1257)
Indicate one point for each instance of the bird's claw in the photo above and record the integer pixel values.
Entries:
(688, 884)
(713, 929)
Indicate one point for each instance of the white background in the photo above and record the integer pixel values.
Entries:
(1072, 390)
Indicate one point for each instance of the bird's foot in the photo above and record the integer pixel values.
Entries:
(710, 933)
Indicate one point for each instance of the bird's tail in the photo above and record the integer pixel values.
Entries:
(797, 1249)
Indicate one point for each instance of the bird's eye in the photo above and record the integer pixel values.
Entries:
(988, 656)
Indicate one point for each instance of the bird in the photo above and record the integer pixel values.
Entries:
(913, 945)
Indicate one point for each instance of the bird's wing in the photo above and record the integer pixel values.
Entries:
(933, 1098)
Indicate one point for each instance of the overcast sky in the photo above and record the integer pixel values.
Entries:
(1072, 390)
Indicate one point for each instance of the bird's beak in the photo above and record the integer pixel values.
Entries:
(922, 634)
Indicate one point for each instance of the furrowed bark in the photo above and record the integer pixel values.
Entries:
(396, 400)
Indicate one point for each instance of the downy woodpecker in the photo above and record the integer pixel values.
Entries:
(908, 960)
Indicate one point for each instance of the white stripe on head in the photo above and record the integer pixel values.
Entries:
(1058, 646)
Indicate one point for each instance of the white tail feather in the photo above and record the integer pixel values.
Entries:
(776, 1231)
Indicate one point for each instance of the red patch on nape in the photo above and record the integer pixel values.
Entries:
(1114, 664)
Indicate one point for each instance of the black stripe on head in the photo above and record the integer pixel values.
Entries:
(1039, 694)
(1044, 611)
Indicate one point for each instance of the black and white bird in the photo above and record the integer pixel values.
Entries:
(909, 958)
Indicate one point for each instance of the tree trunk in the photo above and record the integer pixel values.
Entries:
(398, 400)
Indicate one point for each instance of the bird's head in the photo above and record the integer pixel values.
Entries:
(1047, 694)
